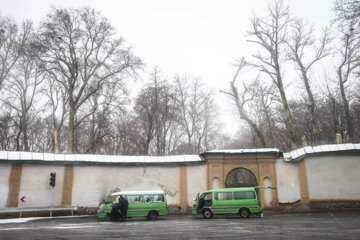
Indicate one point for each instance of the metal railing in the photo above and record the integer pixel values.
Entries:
(39, 209)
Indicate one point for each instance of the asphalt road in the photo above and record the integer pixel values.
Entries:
(325, 225)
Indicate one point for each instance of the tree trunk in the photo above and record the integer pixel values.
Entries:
(242, 114)
(289, 119)
(71, 134)
(24, 131)
(349, 123)
(315, 137)
(56, 141)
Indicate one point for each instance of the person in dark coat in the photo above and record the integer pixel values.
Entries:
(123, 206)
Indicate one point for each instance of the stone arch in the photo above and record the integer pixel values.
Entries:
(240, 177)
(215, 183)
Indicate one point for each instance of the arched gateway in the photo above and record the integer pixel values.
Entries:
(240, 177)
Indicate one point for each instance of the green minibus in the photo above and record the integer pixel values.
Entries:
(243, 201)
(149, 204)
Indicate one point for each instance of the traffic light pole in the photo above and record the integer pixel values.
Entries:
(52, 184)
(52, 201)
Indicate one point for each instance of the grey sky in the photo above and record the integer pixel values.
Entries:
(198, 37)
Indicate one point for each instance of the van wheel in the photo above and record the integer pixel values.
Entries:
(244, 212)
(207, 214)
(152, 215)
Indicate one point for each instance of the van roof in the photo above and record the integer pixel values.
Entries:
(232, 189)
(138, 192)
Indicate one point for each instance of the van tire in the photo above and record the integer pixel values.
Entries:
(244, 213)
(207, 213)
(152, 215)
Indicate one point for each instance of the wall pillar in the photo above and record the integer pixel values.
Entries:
(215, 168)
(183, 189)
(304, 189)
(67, 185)
(14, 185)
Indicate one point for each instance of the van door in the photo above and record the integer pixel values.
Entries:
(155, 202)
(136, 207)
(223, 203)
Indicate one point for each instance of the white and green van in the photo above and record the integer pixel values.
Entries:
(243, 201)
(149, 204)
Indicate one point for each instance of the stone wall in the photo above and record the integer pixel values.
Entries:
(287, 182)
(333, 177)
(316, 182)
(319, 182)
(87, 185)
(5, 170)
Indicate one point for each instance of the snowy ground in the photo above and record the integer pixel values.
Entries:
(326, 225)
(28, 219)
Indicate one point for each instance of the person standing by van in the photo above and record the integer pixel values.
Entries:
(123, 205)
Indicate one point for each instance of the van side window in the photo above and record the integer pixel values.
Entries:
(223, 196)
(134, 198)
(154, 198)
(244, 195)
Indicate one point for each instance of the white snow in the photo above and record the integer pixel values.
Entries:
(255, 150)
(52, 157)
(27, 219)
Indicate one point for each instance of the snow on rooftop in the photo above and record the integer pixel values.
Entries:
(301, 152)
(138, 192)
(234, 151)
(52, 157)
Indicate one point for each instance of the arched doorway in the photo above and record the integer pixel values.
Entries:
(240, 177)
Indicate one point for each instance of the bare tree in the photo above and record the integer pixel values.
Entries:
(127, 138)
(305, 53)
(21, 86)
(56, 103)
(81, 51)
(166, 118)
(156, 111)
(175, 138)
(97, 120)
(331, 112)
(207, 131)
(5, 131)
(350, 62)
(243, 98)
(12, 40)
(347, 10)
(263, 105)
(195, 100)
(270, 34)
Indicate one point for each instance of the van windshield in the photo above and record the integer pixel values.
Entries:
(109, 199)
(205, 196)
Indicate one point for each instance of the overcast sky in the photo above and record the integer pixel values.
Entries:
(198, 37)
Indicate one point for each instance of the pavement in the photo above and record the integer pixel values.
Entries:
(319, 225)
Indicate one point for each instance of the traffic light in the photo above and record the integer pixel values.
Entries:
(52, 179)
